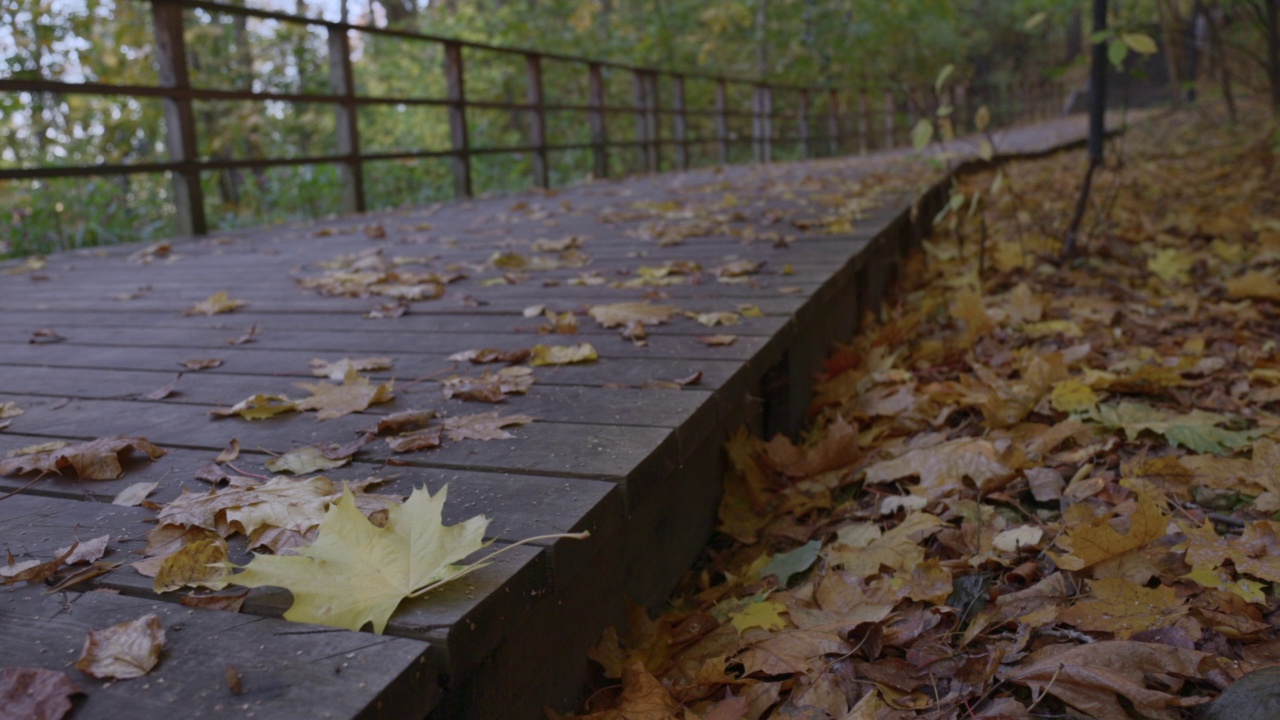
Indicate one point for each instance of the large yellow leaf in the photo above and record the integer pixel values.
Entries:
(1089, 541)
(355, 394)
(356, 574)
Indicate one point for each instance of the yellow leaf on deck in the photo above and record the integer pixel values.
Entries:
(356, 574)
(563, 354)
(215, 304)
(355, 394)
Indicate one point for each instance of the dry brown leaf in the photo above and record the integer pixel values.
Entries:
(198, 564)
(1093, 677)
(94, 460)
(201, 363)
(133, 495)
(492, 355)
(36, 693)
(216, 303)
(425, 439)
(717, 340)
(483, 426)
(337, 370)
(120, 652)
(623, 314)
(403, 421)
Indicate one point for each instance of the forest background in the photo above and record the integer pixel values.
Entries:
(854, 46)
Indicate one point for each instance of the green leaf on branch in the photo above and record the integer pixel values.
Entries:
(922, 134)
(1140, 43)
(943, 74)
(1117, 51)
(1035, 21)
(982, 118)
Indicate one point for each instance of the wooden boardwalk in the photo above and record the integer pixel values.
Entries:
(614, 449)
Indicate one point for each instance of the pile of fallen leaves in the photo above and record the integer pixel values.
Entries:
(1033, 489)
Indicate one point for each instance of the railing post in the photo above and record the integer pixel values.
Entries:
(179, 119)
(889, 139)
(342, 83)
(457, 94)
(763, 124)
(834, 144)
(681, 125)
(642, 119)
(654, 150)
(533, 66)
(864, 122)
(599, 132)
(804, 125)
(722, 122)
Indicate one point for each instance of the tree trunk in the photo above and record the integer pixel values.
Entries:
(1273, 53)
(1170, 29)
(1218, 52)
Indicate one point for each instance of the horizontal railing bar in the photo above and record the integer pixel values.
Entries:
(215, 7)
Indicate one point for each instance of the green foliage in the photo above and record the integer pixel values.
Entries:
(898, 44)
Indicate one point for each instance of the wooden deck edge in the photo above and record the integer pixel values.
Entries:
(671, 509)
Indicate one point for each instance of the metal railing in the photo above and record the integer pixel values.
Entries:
(824, 121)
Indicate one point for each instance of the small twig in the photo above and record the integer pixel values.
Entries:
(1045, 693)
(249, 474)
(482, 561)
(11, 493)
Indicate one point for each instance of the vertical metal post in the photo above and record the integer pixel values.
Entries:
(834, 141)
(599, 132)
(642, 119)
(864, 122)
(538, 120)
(889, 140)
(804, 124)
(342, 83)
(652, 116)
(457, 95)
(681, 125)
(179, 118)
(722, 122)
(757, 123)
(766, 123)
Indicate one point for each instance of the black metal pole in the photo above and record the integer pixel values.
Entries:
(1097, 124)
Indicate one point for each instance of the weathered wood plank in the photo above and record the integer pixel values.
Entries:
(285, 670)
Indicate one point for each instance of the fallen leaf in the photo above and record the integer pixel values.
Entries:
(356, 574)
(941, 468)
(245, 338)
(483, 426)
(94, 460)
(763, 614)
(1254, 284)
(337, 370)
(304, 460)
(563, 354)
(784, 565)
(402, 421)
(1121, 607)
(226, 602)
(45, 336)
(198, 564)
(355, 394)
(36, 693)
(120, 652)
(215, 304)
(163, 392)
(717, 340)
(9, 410)
(622, 314)
(133, 495)
(1089, 540)
(1195, 430)
(490, 387)
(1092, 677)
(258, 407)
(85, 551)
(712, 319)
(201, 363)
(491, 355)
(229, 453)
(425, 439)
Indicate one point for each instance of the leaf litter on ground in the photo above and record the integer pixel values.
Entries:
(1032, 489)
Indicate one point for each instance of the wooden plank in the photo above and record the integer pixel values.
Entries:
(285, 670)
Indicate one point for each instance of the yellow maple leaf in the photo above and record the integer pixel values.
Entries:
(623, 314)
(1072, 396)
(1090, 540)
(763, 614)
(563, 354)
(356, 574)
(968, 308)
(355, 394)
(199, 564)
(216, 303)
(1172, 265)
(1118, 606)
(257, 407)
